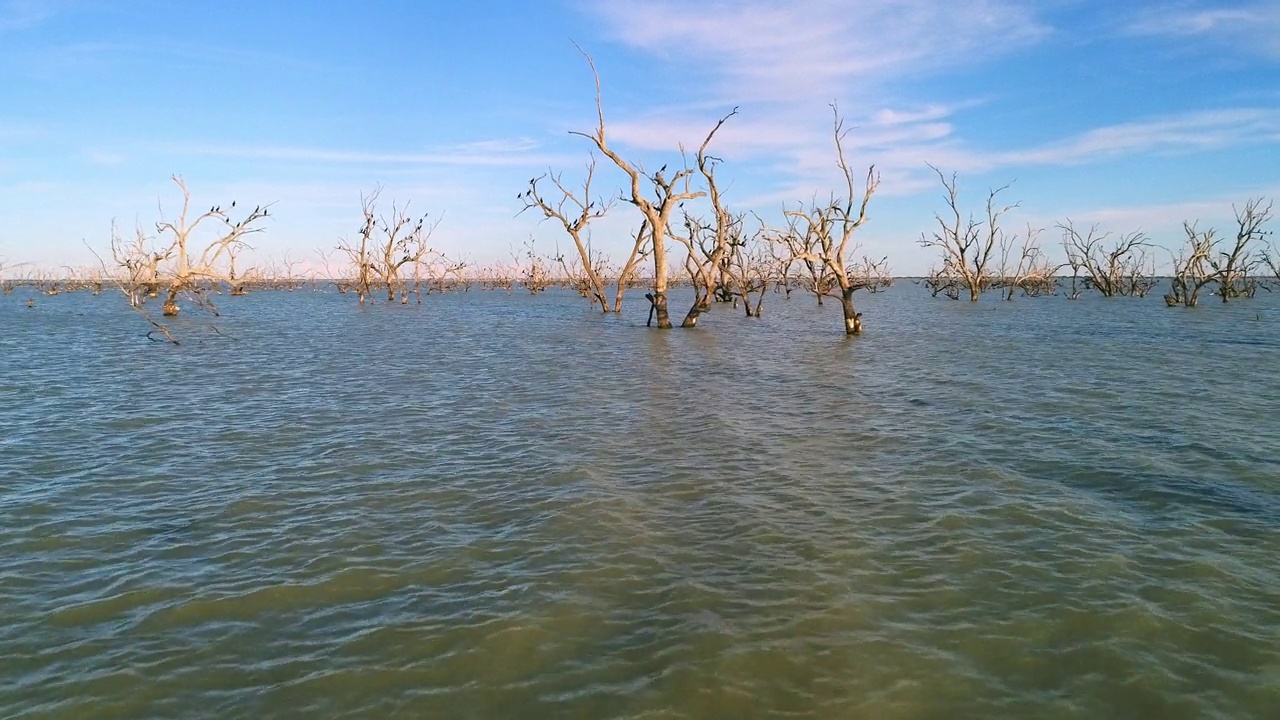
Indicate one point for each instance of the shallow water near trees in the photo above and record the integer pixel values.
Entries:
(503, 506)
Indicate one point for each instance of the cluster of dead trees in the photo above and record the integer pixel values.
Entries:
(978, 255)
(393, 254)
(725, 257)
(687, 234)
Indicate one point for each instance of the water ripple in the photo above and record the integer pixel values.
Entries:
(494, 506)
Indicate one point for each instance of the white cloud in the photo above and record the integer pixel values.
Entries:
(510, 152)
(1250, 27)
(780, 50)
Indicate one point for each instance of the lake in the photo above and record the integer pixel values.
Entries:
(504, 506)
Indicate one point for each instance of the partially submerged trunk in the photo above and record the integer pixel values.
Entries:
(659, 300)
(170, 307)
(852, 318)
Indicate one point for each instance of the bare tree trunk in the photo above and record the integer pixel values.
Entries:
(852, 318)
(660, 307)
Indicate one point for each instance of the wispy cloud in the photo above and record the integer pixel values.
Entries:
(26, 14)
(1191, 132)
(769, 50)
(1251, 27)
(492, 153)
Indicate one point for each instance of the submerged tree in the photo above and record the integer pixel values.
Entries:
(1121, 269)
(966, 244)
(657, 211)
(822, 235)
(1205, 261)
(575, 214)
(708, 245)
(180, 260)
(1025, 267)
(385, 246)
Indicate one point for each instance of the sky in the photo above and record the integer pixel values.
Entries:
(1135, 116)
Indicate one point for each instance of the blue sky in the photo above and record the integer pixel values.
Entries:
(1136, 118)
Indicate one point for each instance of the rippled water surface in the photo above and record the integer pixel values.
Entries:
(496, 506)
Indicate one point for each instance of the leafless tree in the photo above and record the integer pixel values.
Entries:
(1191, 267)
(827, 231)
(967, 245)
(1115, 270)
(749, 270)
(802, 250)
(1235, 266)
(1024, 266)
(531, 268)
(1204, 260)
(657, 211)
(574, 214)
(385, 246)
(708, 244)
(198, 262)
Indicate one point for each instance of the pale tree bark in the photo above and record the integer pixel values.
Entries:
(1204, 260)
(1191, 267)
(823, 234)
(198, 261)
(1117, 270)
(1233, 267)
(574, 214)
(1024, 266)
(657, 212)
(967, 245)
(386, 245)
(749, 271)
(708, 245)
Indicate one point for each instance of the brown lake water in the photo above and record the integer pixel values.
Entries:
(495, 506)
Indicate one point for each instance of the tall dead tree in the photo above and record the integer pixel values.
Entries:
(574, 214)
(657, 212)
(1115, 270)
(198, 261)
(361, 253)
(708, 244)
(182, 260)
(1205, 260)
(1025, 267)
(386, 244)
(822, 234)
(967, 245)
(750, 269)
(1235, 265)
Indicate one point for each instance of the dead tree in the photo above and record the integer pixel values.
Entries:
(180, 259)
(1111, 271)
(1204, 260)
(435, 271)
(967, 245)
(749, 270)
(361, 252)
(574, 214)
(1191, 267)
(532, 269)
(803, 249)
(628, 274)
(195, 271)
(707, 245)
(657, 212)
(386, 245)
(828, 230)
(1025, 267)
(1234, 267)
